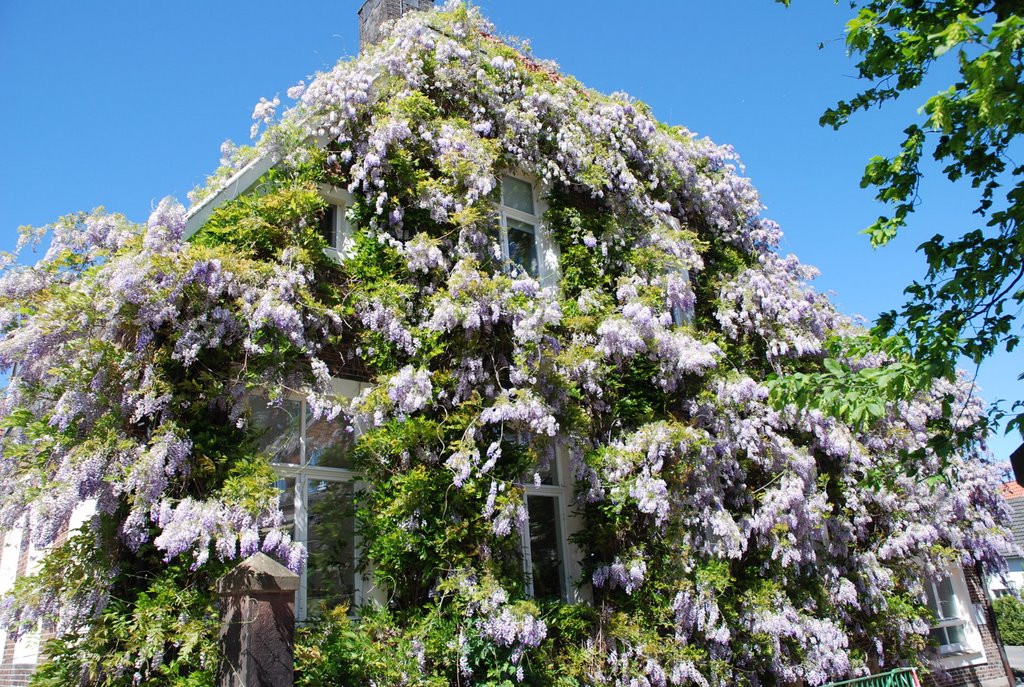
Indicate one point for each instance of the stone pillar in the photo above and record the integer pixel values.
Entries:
(257, 631)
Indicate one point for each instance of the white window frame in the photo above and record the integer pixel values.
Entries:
(566, 525)
(971, 652)
(343, 246)
(545, 249)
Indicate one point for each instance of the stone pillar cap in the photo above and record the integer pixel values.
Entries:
(258, 573)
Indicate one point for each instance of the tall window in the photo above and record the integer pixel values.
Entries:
(549, 572)
(311, 457)
(949, 631)
(681, 316)
(519, 222)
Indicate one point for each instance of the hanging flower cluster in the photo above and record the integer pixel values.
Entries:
(723, 540)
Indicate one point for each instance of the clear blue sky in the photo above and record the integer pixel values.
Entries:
(123, 102)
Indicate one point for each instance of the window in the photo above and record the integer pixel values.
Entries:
(680, 315)
(519, 223)
(333, 226)
(329, 225)
(956, 630)
(949, 631)
(317, 484)
(550, 563)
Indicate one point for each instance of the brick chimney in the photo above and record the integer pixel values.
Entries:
(374, 13)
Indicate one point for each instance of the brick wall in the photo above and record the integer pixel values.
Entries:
(375, 12)
(16, 674)
(992, 673)
(18, 657)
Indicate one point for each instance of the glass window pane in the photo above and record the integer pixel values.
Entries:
(545, 552)
(929, 591)
(329, 444)
(277, 427)
(522, 246)
(330, 571)
(947, 599)
(517, 194)
(546, 470)
(491, 257)
(955, 634)
(287, 501)
(328, 222)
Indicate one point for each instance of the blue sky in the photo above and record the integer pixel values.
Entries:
(121, 103)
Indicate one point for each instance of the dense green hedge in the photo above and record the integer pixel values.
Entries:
(1010, 619)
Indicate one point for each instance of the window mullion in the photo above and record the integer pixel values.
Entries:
(302, 433)
(563, 545)
(524, 532)
(301, 536)
(503, 238)
(358, 593)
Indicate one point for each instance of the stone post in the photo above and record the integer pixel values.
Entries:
(257, 630)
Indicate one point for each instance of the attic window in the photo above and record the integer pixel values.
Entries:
(333, 226)
(329, 226)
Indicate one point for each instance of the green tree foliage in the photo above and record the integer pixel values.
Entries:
(968, 302)
(1010, 619)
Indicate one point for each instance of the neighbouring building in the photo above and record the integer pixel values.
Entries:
(1012, 581)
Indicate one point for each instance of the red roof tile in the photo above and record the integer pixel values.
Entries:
(1011, 490)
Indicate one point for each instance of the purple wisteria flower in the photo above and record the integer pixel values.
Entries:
(410, 389)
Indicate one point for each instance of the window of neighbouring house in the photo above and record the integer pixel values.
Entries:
(948, 632)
